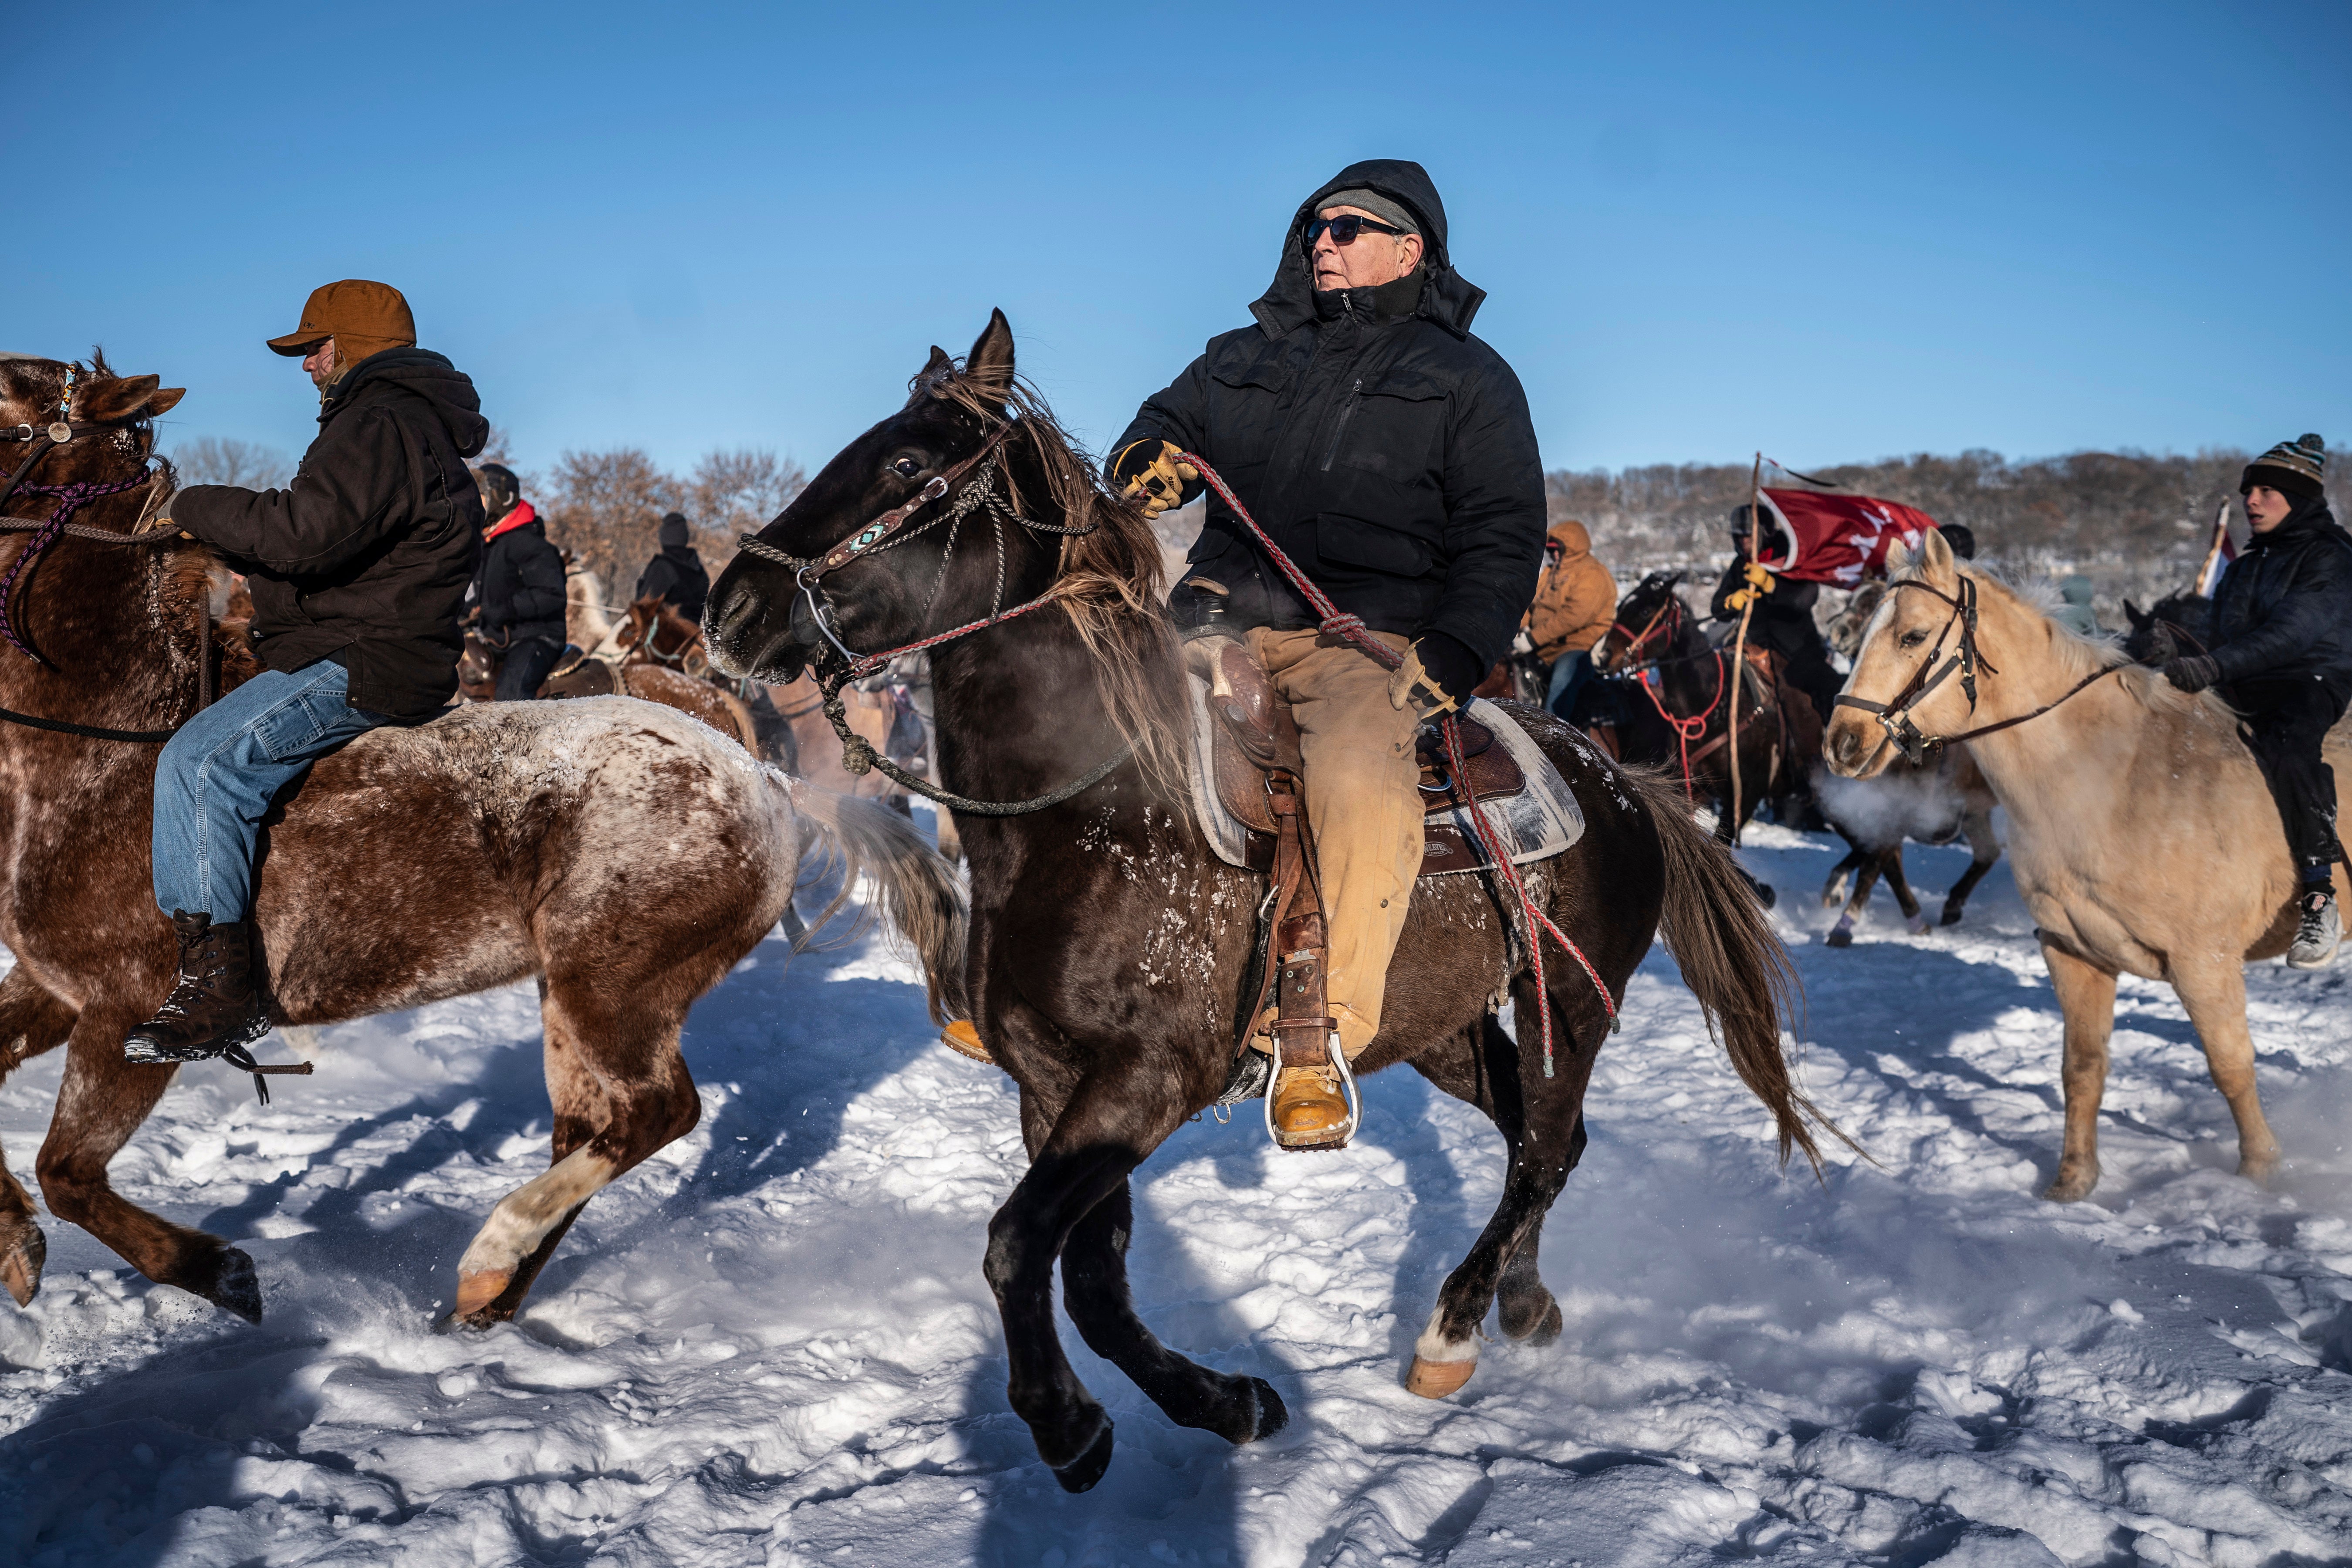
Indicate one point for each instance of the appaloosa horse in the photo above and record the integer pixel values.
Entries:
(490, 845)
(1111, 951)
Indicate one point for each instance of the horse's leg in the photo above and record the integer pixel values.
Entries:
(1116, 1115)
(1541, 1120)
(1890, 861)
(100, 1104)
(2086, 996)
(1833, 892)
(32, 1021)
(1869, 862)
(620, 1090)
(1985, 848)
(2215, 996)
(1094, 1289)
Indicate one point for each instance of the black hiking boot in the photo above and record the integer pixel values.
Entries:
(2318, 931)
(216, 1009)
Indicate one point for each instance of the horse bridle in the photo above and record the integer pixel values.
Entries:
(1895, 714)
(1634, 644)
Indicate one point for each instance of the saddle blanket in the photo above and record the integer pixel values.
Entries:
(1538, 822)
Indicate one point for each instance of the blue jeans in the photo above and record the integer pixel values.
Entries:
(1567, 675)
(218, 776)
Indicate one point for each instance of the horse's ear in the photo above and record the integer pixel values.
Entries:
(928, 379)
(2136, 615)
(127, 397)
(989, 366)
(1933, 555)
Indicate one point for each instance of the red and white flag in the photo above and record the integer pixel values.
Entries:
(1836, 539)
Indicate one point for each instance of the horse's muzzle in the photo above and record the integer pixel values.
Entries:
(1855, 746)
(748, 634)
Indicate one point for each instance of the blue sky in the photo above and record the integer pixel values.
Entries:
(1834, 232)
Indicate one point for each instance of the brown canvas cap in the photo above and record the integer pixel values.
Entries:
(356, 311)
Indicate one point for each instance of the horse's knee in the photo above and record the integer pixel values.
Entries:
(1012, 1257)
(70, 1185)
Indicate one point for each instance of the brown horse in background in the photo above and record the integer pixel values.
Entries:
(1112, 952)
(488, 845)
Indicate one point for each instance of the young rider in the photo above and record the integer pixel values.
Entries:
(2281, 652)
(1389, 454)
(357, 569)
(519, 585)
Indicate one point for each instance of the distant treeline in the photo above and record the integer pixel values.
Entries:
(2136, 524)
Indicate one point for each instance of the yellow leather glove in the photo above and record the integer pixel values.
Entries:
(1428, 691)
(1148, 471)
(1759, 583)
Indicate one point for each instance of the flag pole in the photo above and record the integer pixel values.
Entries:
(1739, 672)
(2212, 552)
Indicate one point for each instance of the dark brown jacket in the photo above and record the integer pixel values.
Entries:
(365, 556)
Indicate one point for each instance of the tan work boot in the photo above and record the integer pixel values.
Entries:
(1309, 1111)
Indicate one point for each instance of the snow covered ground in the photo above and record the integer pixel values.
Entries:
(773, 1345)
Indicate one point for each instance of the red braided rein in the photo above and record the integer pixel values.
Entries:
(1687, 730)
(1352, 628)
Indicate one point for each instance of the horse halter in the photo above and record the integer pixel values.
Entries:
(69, 499)
(1667, 613)
(1894, 715)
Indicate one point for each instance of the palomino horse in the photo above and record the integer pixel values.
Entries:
(1932, 802)
(1678, 693)
(2143, 838)
(1111, 951)
(490, 845)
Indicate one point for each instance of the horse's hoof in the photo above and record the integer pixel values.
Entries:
(235, 1288)
(1081, 1473)
(477, 1291)
(1918, 925)
(1951, 914)
(2262, 1171)
(1436, 1379)
(1839, 936)
(22, 1251)
(1273, 1415)
(2072, 1186)
(1546, 1331)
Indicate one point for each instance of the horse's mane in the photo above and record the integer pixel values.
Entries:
(2075, 655)
(1109, 578)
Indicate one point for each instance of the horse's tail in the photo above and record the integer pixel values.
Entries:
(1731, 961)
(920, 891)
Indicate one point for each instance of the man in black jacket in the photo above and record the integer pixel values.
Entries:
(1390, 455)
(357, 569)
(1782, 620)
(2281, 642)
(676, 574)
(519, 586)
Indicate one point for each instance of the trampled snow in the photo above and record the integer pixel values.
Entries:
(773, 1345)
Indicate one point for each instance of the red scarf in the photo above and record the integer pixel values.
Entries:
(521, 515)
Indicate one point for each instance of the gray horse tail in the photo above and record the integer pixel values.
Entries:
(922, 893)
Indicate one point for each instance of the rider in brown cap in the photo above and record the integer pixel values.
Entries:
(357, 570)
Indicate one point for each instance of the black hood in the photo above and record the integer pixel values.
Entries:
(1446, 298)
(429, 376)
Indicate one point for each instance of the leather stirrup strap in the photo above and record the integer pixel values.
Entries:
(1303, 1021)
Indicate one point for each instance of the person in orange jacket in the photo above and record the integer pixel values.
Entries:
(1575, 599)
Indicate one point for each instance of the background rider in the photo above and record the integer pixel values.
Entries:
(1575, 600)
(675, 575)
(519, 586)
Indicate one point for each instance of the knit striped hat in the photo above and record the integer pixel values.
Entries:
(2298, 469)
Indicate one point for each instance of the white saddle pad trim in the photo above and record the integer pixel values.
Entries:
(1541, 821)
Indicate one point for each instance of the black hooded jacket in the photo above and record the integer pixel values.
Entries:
(2285, 607)
(1385, 449)
(365, 555)
(676, 574)
(521, 585)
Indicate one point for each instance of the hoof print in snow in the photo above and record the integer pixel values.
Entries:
(1081, 1473)
(235, 1287)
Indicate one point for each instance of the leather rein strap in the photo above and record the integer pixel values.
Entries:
(1895, 714)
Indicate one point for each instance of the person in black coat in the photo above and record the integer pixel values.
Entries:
(520, 588)
(1390, 455)
(676, 574)
(1782, 620)
(2280, 642)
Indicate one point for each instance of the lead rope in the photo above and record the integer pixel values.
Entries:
(1353, 629)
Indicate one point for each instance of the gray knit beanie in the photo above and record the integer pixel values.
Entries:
(1372, 202)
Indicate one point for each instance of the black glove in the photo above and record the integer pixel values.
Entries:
(1439, 675)
(1148, 471)
(2192, 672)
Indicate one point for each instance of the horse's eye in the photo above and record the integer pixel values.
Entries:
(1914, 638)
(905, 467)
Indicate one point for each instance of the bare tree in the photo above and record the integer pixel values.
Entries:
(606, 507)
(214, 460)
(736, 492)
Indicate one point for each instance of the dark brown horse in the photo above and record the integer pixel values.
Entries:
(1111, 948)
(488, 845)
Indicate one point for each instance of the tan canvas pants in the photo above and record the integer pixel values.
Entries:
(1363, 802)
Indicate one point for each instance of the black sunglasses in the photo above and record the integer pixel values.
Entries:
(1344, 228)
